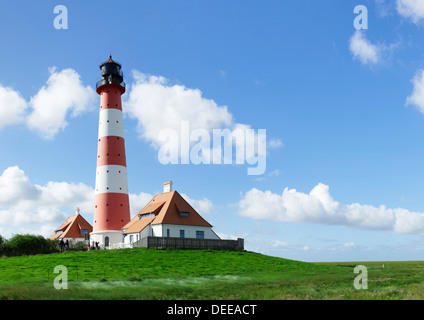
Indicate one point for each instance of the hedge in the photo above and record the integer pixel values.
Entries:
(27, 244)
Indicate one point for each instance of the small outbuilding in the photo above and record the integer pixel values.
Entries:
(74, 229)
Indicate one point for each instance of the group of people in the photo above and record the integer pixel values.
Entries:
(63, 245)
(95, 246)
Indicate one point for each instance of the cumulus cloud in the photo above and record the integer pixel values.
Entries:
(162, 108)
(202, 206)
(46, 112)
(157, 104)
(64, 94)
(319, 207)
(417, 96)
(363, 50)
(411, 9)
(26, 205)
(12, 107)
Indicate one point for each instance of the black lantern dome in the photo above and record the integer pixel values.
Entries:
(111, 74)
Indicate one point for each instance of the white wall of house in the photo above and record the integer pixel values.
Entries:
(132, 237)
(188, 231)
(161, 230)
(135, 236)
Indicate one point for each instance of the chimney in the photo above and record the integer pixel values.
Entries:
(167, 186)
(77, 210)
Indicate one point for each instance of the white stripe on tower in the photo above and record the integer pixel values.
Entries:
(110, 123)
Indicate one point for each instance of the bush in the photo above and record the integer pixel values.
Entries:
(79, 246)
(27, 244)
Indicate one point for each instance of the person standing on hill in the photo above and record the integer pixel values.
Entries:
(61, 244)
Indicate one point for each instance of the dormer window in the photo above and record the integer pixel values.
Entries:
(183, 214)
(147, 215)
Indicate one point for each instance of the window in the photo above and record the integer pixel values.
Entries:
(200, 234)
(167, 233)
(183, 214)
(84, 231)
(131, 238)
(107, 241)
(147, 215)
(181, 233)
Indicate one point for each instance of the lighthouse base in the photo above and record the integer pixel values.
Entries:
(106, 238)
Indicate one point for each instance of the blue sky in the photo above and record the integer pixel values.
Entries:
(342, 108)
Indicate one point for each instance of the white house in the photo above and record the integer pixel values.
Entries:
(168, 214)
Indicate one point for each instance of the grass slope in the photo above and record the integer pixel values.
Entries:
(199, 274)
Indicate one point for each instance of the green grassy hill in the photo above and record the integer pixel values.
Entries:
(188, 274)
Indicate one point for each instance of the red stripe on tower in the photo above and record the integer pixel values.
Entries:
(111, 203)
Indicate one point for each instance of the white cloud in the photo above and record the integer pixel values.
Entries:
(411, 9)
(202, 206)
(384, 7)
(26, 205)
(46, 112)
(279, 244)
(275, 173)
(275, 143)
(14, 185)
(319, 207)
(417, 96)
(162, 108)
(63, 94)
(138, 201)
(348, 245)
(158, 105)
(232, 236)
(12, 107)
(364, 50)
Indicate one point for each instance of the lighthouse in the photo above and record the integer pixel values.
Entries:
(111, 203)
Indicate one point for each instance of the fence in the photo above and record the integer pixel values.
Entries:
(189, 243)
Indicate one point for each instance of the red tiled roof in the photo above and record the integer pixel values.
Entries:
(166, 207)
(71, 228)
(137, 224)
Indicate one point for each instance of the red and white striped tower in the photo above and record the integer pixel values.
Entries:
(111, 205)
